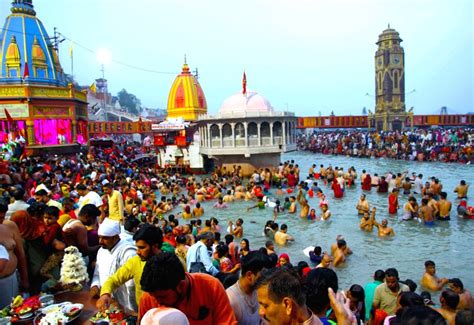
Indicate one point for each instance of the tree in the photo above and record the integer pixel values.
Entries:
(332, 113)
(129, 101)
(364, 111)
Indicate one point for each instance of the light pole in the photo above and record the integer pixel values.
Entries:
(103, 57)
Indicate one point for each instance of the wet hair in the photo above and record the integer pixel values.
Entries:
(443, 195)
(52, 211)
(316, 288)
(341, 243)
(429, 263)
(317, 250)
(254, 262)
(268, 243)
(281, 283)
(379, 275)
(457, 283)
(283, 227)
(90, 211)
(451, 298)
(149, 234)
(421, 315)
(162, 272)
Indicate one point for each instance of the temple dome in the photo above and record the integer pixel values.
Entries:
(26, 51)
(186, 98)
(249, 102)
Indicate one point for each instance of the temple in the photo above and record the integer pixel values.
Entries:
(186, 99)
(247, 131)
(37, 103)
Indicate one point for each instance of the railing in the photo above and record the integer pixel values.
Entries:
(266, 141)
(227, 142)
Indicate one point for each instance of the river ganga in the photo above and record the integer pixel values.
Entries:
(448, 244)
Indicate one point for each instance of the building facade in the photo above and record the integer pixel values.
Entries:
(36, 101)
(247, 132)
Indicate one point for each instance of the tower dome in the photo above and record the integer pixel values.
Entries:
(186, 98)
(27, 46)
(250, 102)
(245, 102)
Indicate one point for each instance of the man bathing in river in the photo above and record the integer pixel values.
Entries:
(430, 280)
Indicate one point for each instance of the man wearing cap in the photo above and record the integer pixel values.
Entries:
(115, 201)
(87, 197)
(110, 257)
(148, 240)
(199, 253)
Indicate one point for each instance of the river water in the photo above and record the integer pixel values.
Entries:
(448, 244)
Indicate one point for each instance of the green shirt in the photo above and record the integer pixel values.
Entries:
(386, 299)
(369, 296)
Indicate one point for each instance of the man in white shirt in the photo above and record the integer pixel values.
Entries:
(19, 204)
(110, 257)
(418, 184)
(87, 197)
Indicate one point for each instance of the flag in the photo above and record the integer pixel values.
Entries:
(70, 49)
(93, 88)
(8, 116)
(26, 71)
(244, 84)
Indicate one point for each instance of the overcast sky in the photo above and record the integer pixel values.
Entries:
(307, 55)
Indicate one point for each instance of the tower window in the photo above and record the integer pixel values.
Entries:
(395, 79)
(40, 73)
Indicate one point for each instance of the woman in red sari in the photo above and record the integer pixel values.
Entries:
(393, 202)
(338, 193)
(367, 183)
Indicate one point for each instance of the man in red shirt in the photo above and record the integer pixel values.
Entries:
(200, 297)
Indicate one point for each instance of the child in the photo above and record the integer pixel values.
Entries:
(51, 240)
(312, 215)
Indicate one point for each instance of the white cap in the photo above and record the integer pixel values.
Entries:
(164, 316)
(109, 228)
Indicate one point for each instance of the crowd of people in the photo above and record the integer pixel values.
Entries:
(150, 246)
(444, 145)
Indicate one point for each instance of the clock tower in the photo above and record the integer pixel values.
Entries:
(390, 110)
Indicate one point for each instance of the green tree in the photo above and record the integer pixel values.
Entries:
(129, 101)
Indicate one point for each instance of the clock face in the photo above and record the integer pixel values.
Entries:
(396, 59)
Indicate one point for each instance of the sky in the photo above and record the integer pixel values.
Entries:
(304, 56)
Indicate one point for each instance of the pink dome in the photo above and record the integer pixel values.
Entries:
(248, 102)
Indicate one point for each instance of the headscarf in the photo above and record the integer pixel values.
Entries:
(285, 257)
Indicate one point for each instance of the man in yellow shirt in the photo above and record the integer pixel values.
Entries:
(115, 201)
(148, 240)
